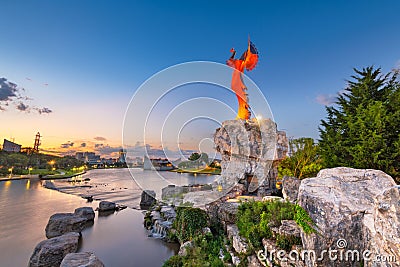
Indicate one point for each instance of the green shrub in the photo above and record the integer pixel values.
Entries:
(189, 222)
(304, 220)
(255, 219)
(286, 242)
(174, 261)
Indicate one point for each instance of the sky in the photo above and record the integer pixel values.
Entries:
(70, 68)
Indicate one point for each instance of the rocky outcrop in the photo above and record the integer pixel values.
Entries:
(61, 223)
(148, 199)
(85, 212)
(223, 212)
(81, 259)
(353, 210)
(248, 150)
(289, 228)
(50, 252)
(107, 206)
(238, 243)
(290, 188)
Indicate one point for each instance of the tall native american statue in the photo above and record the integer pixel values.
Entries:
(247, 61)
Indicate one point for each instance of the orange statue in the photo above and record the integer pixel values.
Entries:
(247, 61)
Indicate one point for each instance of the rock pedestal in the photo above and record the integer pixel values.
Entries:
(353, 210)
(249, 150)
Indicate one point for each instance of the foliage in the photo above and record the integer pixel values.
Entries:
(304, 161)
(195, 160)
(255, 219)
(189, 222)
(194, 156)
(304, 220)
(286, 242)
(205, 252)
(362, 131)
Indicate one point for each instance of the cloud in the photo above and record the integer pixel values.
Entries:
(326, 99)
(100, 138)
(98, 145)
(11, 93)
(67, 145)
(44, 110)
(8, 90)
(83, 145)
(23, 107)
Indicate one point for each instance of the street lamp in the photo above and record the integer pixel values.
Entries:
(10, 170)
(29, 170)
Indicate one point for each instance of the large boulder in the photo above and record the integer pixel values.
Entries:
(353, 210)
(148, 199)
(85, 212)
(81, 259)
(107, 206)
(50, 252)
(61, 223)
(290, 188)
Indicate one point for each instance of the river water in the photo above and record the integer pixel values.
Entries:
(118, 239)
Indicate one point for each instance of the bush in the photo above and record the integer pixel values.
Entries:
(189, 222)
(256, 218)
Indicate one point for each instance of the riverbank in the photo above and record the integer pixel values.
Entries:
(25, 207)
(210, 171)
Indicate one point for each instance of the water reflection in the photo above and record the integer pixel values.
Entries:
(25, 207)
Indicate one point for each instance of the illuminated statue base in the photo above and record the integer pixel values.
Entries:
(250, 151)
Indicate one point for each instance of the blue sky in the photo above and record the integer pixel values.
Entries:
(84, 59)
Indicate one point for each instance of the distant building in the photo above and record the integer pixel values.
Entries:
(157, 164)
(80, 156)
(122, 156)
(11, 146)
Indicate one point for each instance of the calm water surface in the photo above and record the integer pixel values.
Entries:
(118, 239)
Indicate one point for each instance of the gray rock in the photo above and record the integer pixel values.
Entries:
(238, 243)
(168, 212)
(184, 247)
(290, 188)
(85, 212)
(61, 223)
(148, 199)
(249, 150)
(223, 212)
(359, 206)
(107, 206)
(81, 259)
(253, 261)
(50, 252)
(289, 228)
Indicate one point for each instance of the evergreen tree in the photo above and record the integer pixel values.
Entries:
(362, 130)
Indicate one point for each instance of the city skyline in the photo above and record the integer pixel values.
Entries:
(75, 66)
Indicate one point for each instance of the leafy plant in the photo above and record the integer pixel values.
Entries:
(189, 222)
(304, 220)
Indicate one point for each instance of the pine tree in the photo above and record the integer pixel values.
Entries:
(362, 129)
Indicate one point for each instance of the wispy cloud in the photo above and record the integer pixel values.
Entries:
(326, 99)
(67, 144)
(100, 138)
